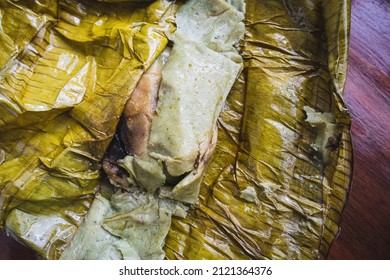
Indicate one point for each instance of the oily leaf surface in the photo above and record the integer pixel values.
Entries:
(295, 57)
(63, 85)
(67, 69)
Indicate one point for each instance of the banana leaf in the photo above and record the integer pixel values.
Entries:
(295, 56)
(63, 87)
(270, 192)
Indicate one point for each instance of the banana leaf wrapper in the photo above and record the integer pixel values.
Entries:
(67, 69)
(295, 57)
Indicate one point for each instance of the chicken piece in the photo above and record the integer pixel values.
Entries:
(141, 107)
(135, 124)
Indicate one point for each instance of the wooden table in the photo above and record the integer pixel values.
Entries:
(365, 228)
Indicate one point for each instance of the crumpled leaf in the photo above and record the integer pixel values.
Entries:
(295, 55)
(267, 193)
(62, 91)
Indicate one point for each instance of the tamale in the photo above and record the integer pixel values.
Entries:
(192, 82)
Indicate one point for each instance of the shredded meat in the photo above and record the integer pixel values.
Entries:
(116, 174)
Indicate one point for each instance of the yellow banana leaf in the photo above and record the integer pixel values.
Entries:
(278, 181)
(295, 56)
(63, 87)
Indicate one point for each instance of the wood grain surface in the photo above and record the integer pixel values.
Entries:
(365, 227)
